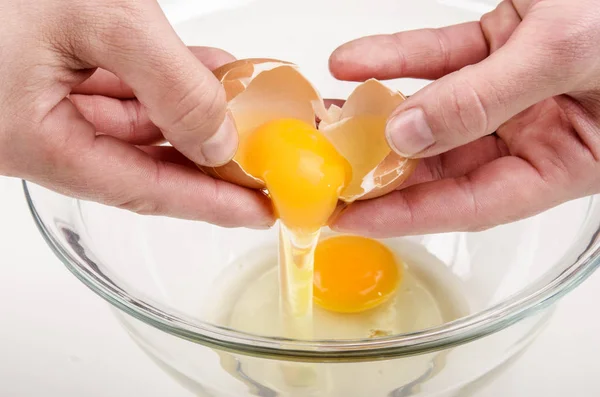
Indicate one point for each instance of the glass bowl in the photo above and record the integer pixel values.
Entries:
(159, 273)
(162, 275)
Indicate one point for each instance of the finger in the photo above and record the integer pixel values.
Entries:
(212, 58)
(499, 25)
(458, 162)
(168, 154)
(182, 96)
(126, 120)
(423, 53)
(106, 170)
(453, 164)
(475, 101)
(493, 194)
(105, 83)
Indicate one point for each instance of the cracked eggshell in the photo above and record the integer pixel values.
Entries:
(261, 90)
(357, 130)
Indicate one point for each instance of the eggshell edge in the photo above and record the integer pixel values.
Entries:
(237, 75)
(407, 166)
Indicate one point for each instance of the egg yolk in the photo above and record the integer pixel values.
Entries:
(303, 172)
(353, 274)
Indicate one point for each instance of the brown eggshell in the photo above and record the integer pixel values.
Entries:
(255, 96)
(370, 99)
(390, 175)
(262, 89)
(234, 173)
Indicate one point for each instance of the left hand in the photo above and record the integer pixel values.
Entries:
(87, 89)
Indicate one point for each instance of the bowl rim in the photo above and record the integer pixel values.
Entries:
(524, 303)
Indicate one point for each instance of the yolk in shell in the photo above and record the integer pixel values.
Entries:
(301, 168)
(353, 274)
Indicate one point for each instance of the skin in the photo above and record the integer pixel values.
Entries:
(88, 88)
(513, 113)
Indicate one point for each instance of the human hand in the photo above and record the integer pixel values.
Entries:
(67, 122)
(510, 128)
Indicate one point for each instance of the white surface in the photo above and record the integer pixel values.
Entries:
(59, 339)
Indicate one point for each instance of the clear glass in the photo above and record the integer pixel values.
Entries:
(160, 273)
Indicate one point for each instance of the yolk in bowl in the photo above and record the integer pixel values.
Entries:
(301, 168)
(353, 274)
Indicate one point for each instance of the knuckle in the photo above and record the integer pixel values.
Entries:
(134, 119)
(481, 219)
(399, 60)
(464, 110)
(144, 203)
(499, 24)
(200, 110)
(444, 48)
(215, 196)
(140, 205)
(488, 18)
(552, 167)
(219, 202)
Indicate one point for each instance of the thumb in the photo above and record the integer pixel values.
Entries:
(474, 101)
(181, 96)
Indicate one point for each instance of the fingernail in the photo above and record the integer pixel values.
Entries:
(221, 147)
(408, 132)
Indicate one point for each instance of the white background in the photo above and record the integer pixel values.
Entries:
(57, 338)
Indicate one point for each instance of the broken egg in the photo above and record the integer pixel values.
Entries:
(308, 167)
(263, 91)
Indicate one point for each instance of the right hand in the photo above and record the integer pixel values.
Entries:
(87, 90)
(509, 128)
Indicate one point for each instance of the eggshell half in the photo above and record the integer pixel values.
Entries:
(258, 91)
(357, 129)
(261, 89)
